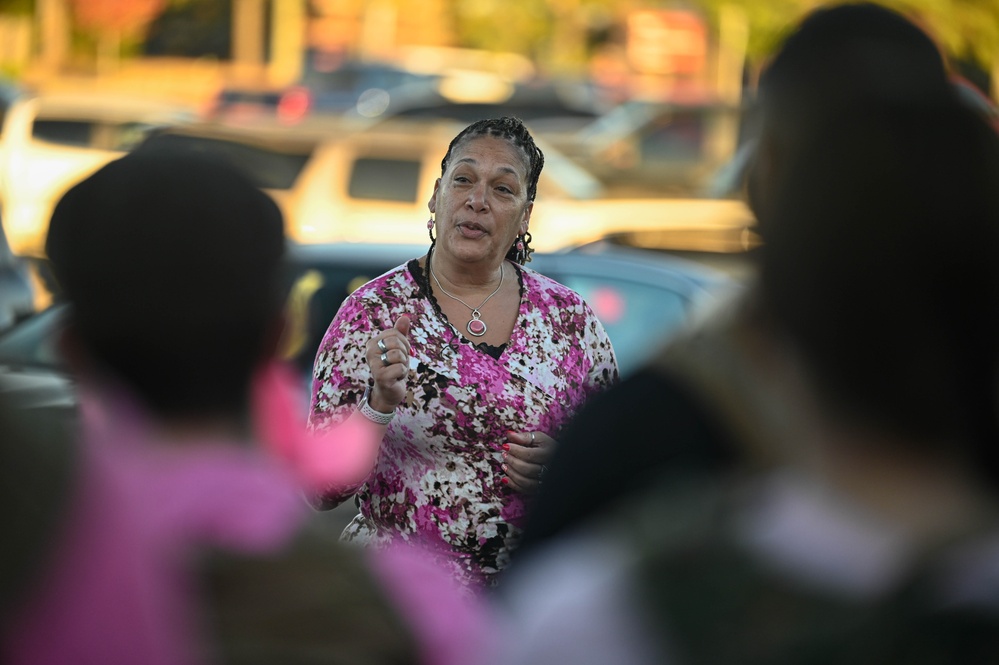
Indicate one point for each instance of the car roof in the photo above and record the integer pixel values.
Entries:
(109, 106)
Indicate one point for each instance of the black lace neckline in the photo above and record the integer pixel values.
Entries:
(422, 281)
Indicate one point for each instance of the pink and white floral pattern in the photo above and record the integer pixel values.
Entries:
(438, 475)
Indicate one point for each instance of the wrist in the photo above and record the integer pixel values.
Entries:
(373, 413)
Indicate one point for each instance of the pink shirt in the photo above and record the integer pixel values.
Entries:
(120, 586)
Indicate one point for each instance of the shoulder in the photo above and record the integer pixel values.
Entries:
(387, 293)
(534, 281)
(540, 289)
(315, 576)
(395, 282)
(576, 601)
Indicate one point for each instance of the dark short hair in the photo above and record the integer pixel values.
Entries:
(171, 263)
(880, 266)
(512, 130)
(836, 59)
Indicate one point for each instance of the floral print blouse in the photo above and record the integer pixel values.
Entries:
(438, 476)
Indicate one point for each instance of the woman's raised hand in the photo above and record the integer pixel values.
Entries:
(388, 356)
(525, 459)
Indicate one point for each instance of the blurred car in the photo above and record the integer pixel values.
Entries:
(338, 182)
(51, 141)
(641, 297)
(345, 88)
(658, 146)
(32, 374)
(17, 286)
(550, 107)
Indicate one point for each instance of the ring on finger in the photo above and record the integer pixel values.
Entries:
(532, 438)
(385, 360)
(382, 347)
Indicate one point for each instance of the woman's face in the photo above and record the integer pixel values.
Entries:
(481, 200)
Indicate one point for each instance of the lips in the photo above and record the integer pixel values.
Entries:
(471, 230)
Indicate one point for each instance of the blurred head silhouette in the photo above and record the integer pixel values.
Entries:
(171, 263)
(881, 267)
(837, 59)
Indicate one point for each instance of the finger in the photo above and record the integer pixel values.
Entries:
(402, 324)
(521, 438)
(393, 357)
(521, 482)
(522, 468)
(532, 455)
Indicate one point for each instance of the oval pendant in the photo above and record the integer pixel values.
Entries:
(476, 328)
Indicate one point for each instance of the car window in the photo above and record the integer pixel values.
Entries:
(384, 179)
(64, 132)
(636, 316)
(121, 136)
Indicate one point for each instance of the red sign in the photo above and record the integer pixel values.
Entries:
(670, 42)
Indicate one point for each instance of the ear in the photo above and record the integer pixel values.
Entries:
(432, 203)
(526, 221)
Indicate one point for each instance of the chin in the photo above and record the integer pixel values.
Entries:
(472, 250)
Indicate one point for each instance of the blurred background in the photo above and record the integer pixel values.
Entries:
(342, 110)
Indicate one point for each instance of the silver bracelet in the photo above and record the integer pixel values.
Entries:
(372, 415)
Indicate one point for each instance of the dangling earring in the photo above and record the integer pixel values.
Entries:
(521, 254)
(430, 229)
(525, 240)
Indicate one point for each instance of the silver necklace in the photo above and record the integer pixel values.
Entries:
(476, 326)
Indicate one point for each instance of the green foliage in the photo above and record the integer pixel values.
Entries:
(963, 28)
(519, 26)
(18, 7)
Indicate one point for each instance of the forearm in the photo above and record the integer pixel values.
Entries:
(350, 453)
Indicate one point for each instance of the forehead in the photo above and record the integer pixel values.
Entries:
(490, 150)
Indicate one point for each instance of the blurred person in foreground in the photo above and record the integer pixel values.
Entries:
(706, 403)
(472, 362)
(184, 539)
(874, 538)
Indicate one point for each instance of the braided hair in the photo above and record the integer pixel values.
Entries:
(513, 130)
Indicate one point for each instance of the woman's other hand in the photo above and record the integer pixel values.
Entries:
(388, 356)
(525, 459)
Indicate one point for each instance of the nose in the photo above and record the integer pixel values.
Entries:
(477, 197)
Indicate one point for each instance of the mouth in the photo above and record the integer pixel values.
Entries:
(471, 230)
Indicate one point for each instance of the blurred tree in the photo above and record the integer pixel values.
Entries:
(114, 22)
(192, 28)
(121, 16)
(965, 29)
(557, 34)
(21, 7)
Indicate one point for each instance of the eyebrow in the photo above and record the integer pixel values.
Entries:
(471, 160)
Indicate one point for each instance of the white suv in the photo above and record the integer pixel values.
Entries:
(50, 141)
